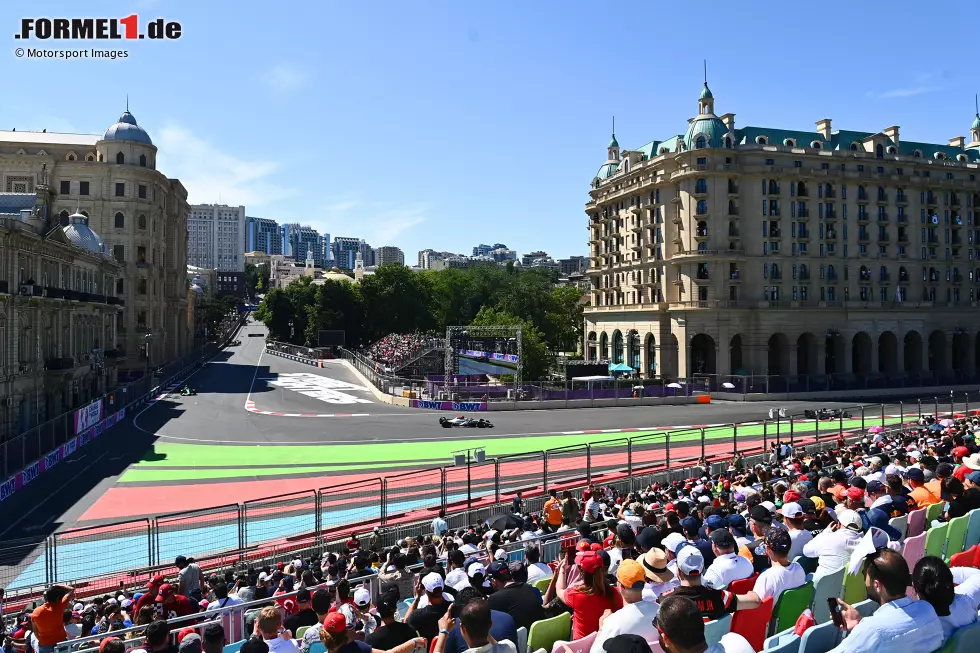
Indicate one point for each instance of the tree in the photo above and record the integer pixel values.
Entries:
(536, 359)
(262, 283)
(396, 300)
(251, 279)
(565, 318)
(276, 311)
(338, 306)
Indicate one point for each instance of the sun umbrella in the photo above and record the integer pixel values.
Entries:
(875, 429)
(507, 521)
(935, 427)
(946, 422)
(673, 385)
(728, 385)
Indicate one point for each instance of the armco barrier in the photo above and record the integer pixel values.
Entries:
(455, 406)
(406, 503)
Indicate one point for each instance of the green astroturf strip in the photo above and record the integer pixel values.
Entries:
(211, 461)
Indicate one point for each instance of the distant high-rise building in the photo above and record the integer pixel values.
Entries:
(215, 237)
(573, 264)
(528, 259)
(345, 252)
(299, 239)
(502, 254)
(368, 254)
(263, 235)
(388, 254)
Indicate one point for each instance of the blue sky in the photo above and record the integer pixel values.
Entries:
(446, 124)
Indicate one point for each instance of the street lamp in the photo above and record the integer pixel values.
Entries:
(146, 343)
(291, 332)
(462, 457)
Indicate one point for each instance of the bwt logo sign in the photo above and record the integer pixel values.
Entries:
(96, 29)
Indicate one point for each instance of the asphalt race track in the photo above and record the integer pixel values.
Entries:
(328, 430)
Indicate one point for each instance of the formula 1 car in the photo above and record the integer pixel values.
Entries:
(188, 391)
(827, 413)
(465, 423)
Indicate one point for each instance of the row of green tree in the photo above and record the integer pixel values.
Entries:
(397, 299)
(256, 279)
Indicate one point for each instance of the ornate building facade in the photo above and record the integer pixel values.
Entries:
(112, 180)
(755, 250)
(58, 313)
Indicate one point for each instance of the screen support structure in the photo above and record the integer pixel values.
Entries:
(457, 335)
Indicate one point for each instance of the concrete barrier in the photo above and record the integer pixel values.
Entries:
(841, 395)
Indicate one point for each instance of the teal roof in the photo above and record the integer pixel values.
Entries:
(672, 144)
(614, 142)
(711, 127)
(706, 93)
(608, 169)
(976, 122)
(747, 136)
(649, 150)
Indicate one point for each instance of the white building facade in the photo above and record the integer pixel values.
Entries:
(216, 237)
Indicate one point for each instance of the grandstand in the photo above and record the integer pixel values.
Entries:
(947, 530)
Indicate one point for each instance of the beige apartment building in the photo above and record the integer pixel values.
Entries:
(754, 250)
(112, 180)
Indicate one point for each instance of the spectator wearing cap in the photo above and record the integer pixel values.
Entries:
(972, 482)
(692, 528)
(833, 546)
(152, 589)
(660, 578)
(362, 606)
(965, 463)
(514, 596)
(728, 566)
(475, 625)
(174, 605)
(901, 623)
(622, 548)
(425, 619)
(783, 574)
(305, 615)
(190, 643)
(760, 520)
(391, 633)
(590, 599)
(536, 570)
(793, 520)
(338, 636)
(48, 619)
(320, 603)
(190, 578)
(739, 529)
(920, 494)
(636, 616)
(503, 627)
(712, 603)
(680, 629)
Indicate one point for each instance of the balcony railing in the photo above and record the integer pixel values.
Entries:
(59, 364)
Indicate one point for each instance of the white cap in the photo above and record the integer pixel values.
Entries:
(297, 563)
(432, 582)
(112, 601)
(263, 577)
(362, 597)
(126, 603)
(500, 555)
(791, 510)
(121, 598)
(892, 469)
(850, 519)
(769, 505)
(689, 560)
(703, 499)
(476, 568)
(672, 541)
(78, 607)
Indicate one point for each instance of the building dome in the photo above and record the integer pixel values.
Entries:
(711, 127)
(126, 129)
(706, 93)
(607, 170)
(81, 235)
(613, 142)
(976, 122)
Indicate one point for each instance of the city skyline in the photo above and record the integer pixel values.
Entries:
(468, 83)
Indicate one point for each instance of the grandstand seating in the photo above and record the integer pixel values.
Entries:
(545, 633)
(716, 629)
(825, 587)
(790, 606)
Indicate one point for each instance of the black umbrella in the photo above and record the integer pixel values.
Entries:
(507, 521)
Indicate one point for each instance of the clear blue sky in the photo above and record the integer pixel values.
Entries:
(446, 124)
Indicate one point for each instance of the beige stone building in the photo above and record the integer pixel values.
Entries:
(754, 250)
(58, 313)
(112, 179)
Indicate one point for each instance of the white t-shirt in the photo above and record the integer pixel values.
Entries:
(725, 569)
(504, 646)
(220, 604)
(777, 578)
(280, 645)
(962, 612)
(537, 571)
(455, 577)
(652, 591)
(631, 619)
(799, 538)
(731, 643)
(468, 549)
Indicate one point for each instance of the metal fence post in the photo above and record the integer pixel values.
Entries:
(734, 438)
(702, 443)
(952, 410)
(935, 412)
(765, 436)
(816, 426)
(919, 402)
(629, 461)
(901, 413)
(791, 435)
(150, 527)
(883, 416)
(384, 501)
(862, 417)
(544, 480)
(49, 560)
(442, 486)
(318, 520)
(588, 464)
(496, 479)
(667, 442)
(966, 409)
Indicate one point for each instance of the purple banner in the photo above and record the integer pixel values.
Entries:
(455, 406)
(38, 467)
(88, 416)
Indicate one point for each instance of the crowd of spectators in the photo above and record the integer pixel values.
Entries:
(397, 348)
(651, 566)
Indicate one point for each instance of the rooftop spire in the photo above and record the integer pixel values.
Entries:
(613, 142)
(705, 71)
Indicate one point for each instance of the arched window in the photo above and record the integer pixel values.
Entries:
(700, 143)
(774, 271)
(702, 208)
(732, 229)
(892, 149)
(663, 150)
(789, 142)
(702, 228)
(816, 145)
(854, 147)
(879, 151)
(773, 187)
(63, 218)
(803, 274)
(917, 154)
(141, 221)
(90, 158)
(71, 156)
(120, 221)
(732, 209)
(142, 160)
(701, 186)
(100, 156)
(961, 157)
(939, 156)
(728, 142)
(120, 158)
(761, 140)
(830, 272)
(882, 273)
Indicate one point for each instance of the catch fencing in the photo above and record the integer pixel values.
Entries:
(303, 523)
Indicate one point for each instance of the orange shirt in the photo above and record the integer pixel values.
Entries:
(552, 511)
(923, 498)
(936, 487)
(49, 622)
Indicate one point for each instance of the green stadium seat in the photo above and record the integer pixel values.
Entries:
(546, 632)
(790, 606)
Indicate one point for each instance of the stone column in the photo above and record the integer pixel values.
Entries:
(792, 351)
(820, 365)
(874, 354)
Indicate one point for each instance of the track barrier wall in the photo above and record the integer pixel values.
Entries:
(404, 504)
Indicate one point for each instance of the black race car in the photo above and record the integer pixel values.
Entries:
(464, 422)
(827, 413)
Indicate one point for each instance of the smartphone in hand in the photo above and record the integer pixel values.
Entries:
(835, 612)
